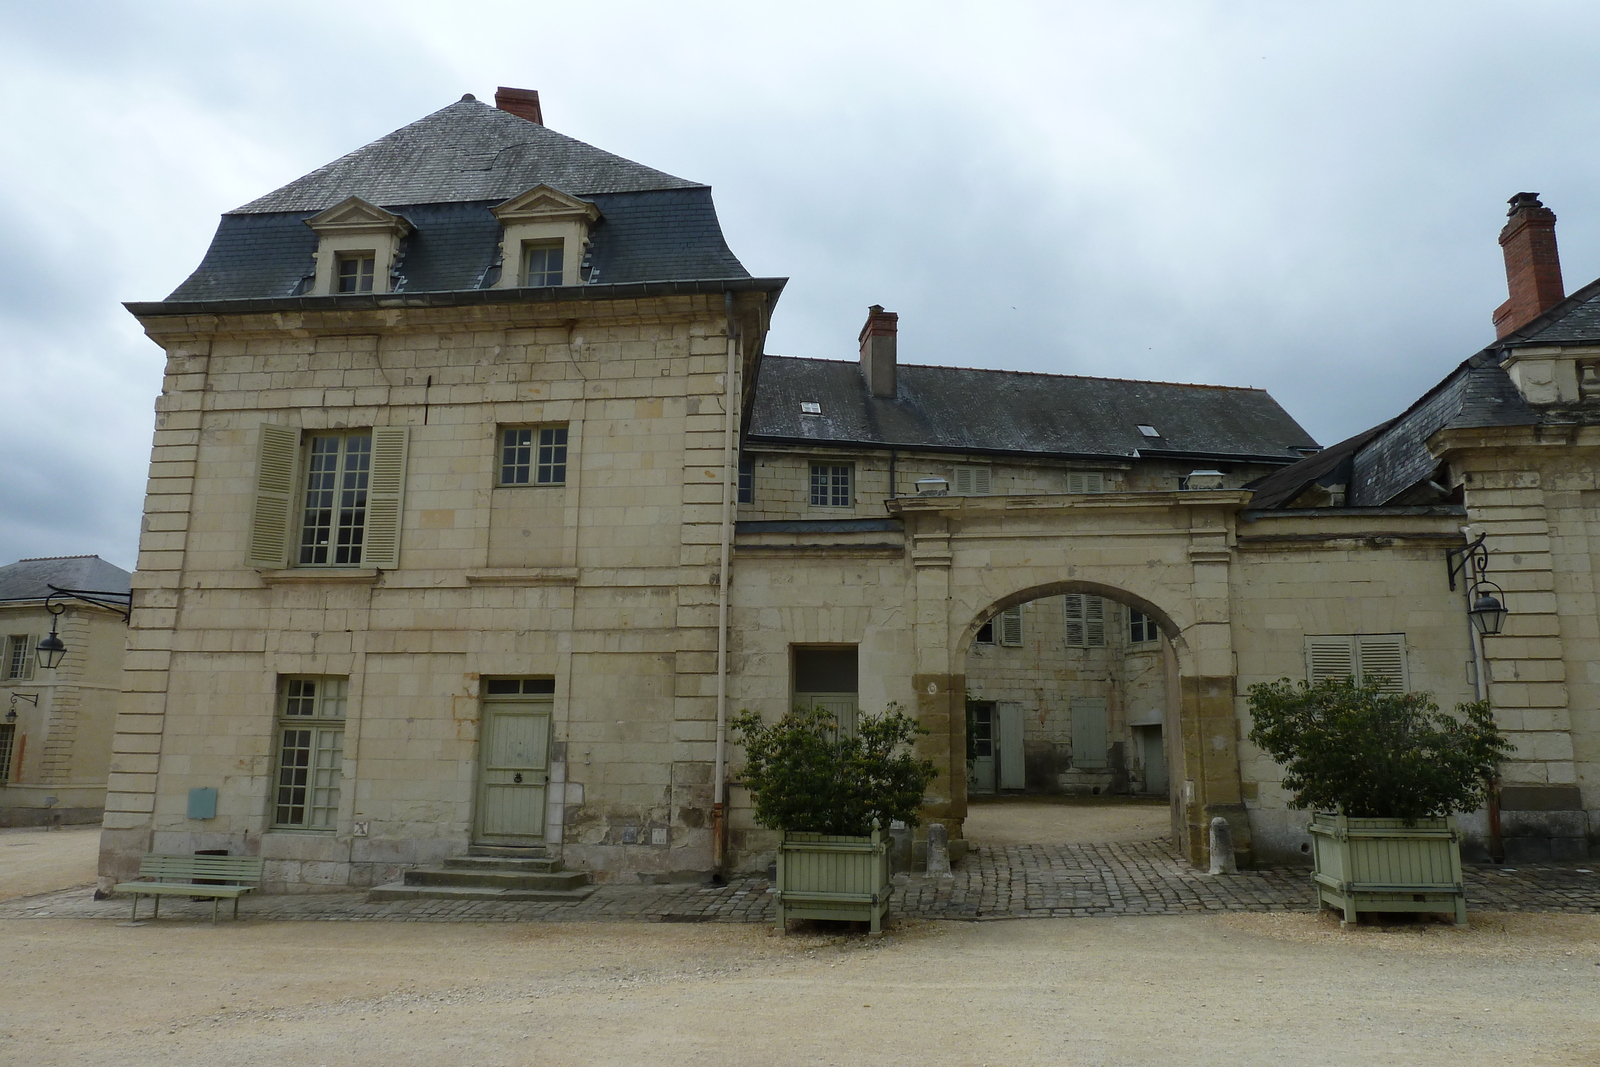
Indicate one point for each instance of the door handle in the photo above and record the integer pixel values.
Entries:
(517, 778)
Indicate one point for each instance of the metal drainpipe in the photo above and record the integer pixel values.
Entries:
(729, 482)
(1480, 685)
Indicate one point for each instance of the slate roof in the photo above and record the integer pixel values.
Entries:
(955, 409)
(1392, 459)
(443, 173)
(29, 579)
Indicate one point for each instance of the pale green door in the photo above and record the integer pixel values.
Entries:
(513, 772)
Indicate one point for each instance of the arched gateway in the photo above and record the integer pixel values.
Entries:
(1166, 554)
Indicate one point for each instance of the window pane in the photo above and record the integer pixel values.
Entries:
(542, 265)
(322, 476)
(552, 455)
(516, 456)
(747, 481)
(355, 469)
(294, 765)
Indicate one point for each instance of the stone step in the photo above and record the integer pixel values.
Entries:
(509, 852)
(498, 880)
(541, 864)
(402, 891)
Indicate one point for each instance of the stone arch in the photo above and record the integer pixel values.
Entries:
(1169, 627)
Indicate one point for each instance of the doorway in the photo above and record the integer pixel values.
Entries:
(514, 762)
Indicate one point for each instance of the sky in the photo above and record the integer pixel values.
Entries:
(1297, 197)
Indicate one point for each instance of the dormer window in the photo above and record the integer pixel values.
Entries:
(545, 233)
(359, 247)
(542, 263)
(355, 271)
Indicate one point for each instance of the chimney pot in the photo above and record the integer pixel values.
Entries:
(879, 339)
(523, 103)
(1533, 264)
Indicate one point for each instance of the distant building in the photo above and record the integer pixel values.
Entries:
(56, 725)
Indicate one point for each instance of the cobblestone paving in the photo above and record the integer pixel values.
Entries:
(1024, 881)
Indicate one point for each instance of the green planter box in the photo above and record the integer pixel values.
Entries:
(825, 877)
(1385, 865)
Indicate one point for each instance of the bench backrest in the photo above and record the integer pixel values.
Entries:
(229, 870)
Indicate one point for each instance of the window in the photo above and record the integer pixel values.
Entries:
(310, 752)
(355, 271)
(335, 503)
(8, 745)
(1007, 624)
(830, 485)
(972, 481)
(828, 678)
(333, 523)
(1141, 628)
(513, 687)
(542, 263)
(1086, 482)
(1086, 620)
(1363, 657)
(533, 455)
(19, 658)
(747, 480)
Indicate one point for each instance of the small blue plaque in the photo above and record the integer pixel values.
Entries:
(203, 802)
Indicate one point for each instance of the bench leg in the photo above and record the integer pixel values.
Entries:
(235, 909)
(158, 905)
(215, 901)
(135, 917)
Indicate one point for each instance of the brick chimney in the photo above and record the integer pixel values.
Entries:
(1533, 268)
(523, 103)
(878, 342)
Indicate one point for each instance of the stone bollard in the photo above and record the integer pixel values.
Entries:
(1222, 861)
(938, 851)
(900, 847)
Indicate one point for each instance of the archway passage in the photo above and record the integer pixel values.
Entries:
(1069, 698)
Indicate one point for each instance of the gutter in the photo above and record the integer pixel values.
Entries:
(730, 424)
(1110, 460)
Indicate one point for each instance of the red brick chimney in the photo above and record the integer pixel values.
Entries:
(1533, 267)
(879, 338)
(523, 103)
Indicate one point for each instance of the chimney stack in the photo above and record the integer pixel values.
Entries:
(1533, 267)
(878, 341)
(523, 103)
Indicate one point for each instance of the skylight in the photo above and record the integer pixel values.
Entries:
(810, 407)
(1149, 431)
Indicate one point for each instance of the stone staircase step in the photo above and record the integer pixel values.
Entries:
(493, 879)
(509, 852)
(402, 891)
(541, 864)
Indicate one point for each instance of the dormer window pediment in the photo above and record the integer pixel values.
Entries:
(544, 233)
(358, 246)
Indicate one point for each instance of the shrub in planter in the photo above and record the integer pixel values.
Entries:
(832, 796)
(1384, 773)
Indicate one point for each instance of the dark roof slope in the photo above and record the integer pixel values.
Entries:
(1332, 464)
(30, 579)
(465, 152)
(1576, 320)
(956, 409)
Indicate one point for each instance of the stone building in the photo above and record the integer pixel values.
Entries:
(477, 507)
(56, 724)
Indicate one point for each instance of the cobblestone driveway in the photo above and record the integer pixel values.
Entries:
(1024, 881)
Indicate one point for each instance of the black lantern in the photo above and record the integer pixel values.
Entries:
(51, 648)
(1488, 612)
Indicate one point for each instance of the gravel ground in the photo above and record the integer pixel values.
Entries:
(1001, 821)
(35, 860)
(1281, 990)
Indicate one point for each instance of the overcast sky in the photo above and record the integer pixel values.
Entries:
(1302, 197)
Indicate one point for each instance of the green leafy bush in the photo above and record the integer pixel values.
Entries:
(805, 776)
(1373, 754)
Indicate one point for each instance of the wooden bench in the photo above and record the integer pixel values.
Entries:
(227, 877)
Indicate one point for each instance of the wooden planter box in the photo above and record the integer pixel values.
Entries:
(824, 877)
(1385, 865)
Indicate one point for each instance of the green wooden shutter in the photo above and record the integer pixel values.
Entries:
(386, 490)
(1382, 656)
(277, 456)
(1011, 627)
(1329, 657)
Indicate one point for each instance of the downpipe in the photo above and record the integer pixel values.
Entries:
(719, 829)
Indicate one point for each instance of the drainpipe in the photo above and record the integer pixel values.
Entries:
(719, 831)
(1480, 685)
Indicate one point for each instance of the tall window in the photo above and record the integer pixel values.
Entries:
(310, 752)
(1086, 620)
(8, 744)
(830, 485)
(334, 521)
(355, 272)
(747, 480)
(533, 455)
(19, 664)
(542, 263)
(1141, 628)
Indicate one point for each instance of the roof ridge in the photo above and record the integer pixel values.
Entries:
(1043, 374)
(47, 559)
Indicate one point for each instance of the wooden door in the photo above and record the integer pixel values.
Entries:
(1013, 773)
(1154, 757)
(1088, 733)
(513, 772)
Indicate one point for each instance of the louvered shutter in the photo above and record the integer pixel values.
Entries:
(1011, 627)
(963, 486)
(386, 492)
(981, 481)
(1329, 657)
(1382, 656)
(1086, 482)
(1074, 619)
(277, 458)
(1094, 628)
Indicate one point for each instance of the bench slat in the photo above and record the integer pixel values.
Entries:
(188, 889)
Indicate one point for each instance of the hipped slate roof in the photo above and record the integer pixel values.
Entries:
(1387, 461)
(30, 579)
(959, 410)
(443, 173)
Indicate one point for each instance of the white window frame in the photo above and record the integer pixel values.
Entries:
(1146, 624)
(20, 657)
(366, 260)
(547, 461)
(547, 245)
(831, 494)
(308, 762)
(1359, 657)
(1085, 618)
